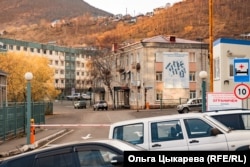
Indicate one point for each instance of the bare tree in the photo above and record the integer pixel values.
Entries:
(102, 72)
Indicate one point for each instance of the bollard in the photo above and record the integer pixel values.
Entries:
(32, 131)
(147, 105)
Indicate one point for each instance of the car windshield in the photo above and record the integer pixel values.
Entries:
(190, 101)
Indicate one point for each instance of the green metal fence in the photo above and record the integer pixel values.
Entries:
(13, 117)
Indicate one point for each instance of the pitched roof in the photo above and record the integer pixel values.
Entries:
(2, 73)
(166, 39)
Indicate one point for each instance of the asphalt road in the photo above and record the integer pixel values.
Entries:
(83, 124)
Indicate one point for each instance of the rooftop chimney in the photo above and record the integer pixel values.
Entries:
(172, 38)
(114, 47)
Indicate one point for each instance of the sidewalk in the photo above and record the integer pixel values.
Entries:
(19, 145)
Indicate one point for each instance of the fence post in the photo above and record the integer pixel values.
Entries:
(161, 104)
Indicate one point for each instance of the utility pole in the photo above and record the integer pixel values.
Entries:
(211, 89)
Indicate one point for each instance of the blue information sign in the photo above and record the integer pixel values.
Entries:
(241, 70)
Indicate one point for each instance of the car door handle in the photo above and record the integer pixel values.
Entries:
(156, 145)
(194, 141)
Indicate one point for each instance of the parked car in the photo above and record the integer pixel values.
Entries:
(86, 96)
(102, 104)
(191, 105)
(185, 132)
(75, 96)
(76, 154)
(236, 119)
(80, 104)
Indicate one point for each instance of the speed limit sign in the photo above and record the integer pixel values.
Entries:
(242, 91)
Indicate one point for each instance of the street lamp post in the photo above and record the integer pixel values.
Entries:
(203, 76)
(28, 76)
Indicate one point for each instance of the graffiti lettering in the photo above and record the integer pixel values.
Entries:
(176, 68)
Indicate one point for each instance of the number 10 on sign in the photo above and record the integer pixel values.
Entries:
(241, 91)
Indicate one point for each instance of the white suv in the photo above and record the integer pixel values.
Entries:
(193, 131)
(191, 105)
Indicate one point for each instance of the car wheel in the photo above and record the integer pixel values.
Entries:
(185, 110)
(180, 112)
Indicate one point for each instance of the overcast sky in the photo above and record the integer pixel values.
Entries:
(132, 7)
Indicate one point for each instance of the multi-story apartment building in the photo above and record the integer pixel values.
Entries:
(161, 69)
(70, 64)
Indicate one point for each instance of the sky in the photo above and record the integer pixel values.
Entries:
(132, 7)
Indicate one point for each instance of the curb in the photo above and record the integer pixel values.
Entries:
(29, 147)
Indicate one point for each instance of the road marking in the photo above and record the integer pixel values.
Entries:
(87, 137)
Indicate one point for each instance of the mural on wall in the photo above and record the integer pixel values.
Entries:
(175, 70)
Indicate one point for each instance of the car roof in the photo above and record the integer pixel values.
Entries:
(227, 111)
(157, 118)
(119, 144)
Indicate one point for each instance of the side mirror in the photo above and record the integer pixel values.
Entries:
(117, 160)
(215, 131)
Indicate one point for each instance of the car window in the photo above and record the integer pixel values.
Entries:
(234, 121)
(165, 131)
(197, 128)
(246, 120)
(132, 133)
(25, 161)
(56, 160)
(95, 156)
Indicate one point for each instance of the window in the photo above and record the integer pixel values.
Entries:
(158, 95)
(217, 68)
(50, 52)
(56, 62)
(11, 47)
(61, 71)
(25, 48)
(197, 128)
(192, 94)
(131, 133)
(192, 77)
(231, 66)
(62, 63)
(32, 49)
(158, 76)
(17, 47)
(192, 57)
(44, 51)
(38, 50)
(165, 131)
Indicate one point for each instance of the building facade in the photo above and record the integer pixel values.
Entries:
(157, 71)
(70, 64)
(225, 50)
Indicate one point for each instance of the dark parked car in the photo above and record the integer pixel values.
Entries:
(80, 104)
(191, 105)
(102, 104)
(76, 154)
